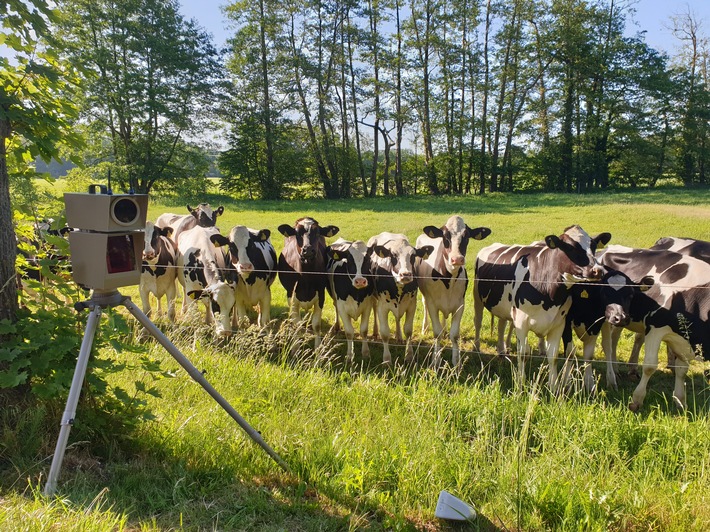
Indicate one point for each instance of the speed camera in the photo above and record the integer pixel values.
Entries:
(107, 237)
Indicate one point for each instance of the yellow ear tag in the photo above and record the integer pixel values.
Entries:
(584, 294)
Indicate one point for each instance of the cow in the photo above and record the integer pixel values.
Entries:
(443, 280)
(159, 269)
(530, 285)
(205, 272)
(396, 289)
(351, 286)
(203, 215)
(594, 304)
(254, 258)
(302, 268)
(676, 310)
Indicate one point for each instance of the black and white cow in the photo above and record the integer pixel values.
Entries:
(676, 310)
(396, 289)
(159, 270)
(302, 268)
(530, 285)
(594, 304)
(206, 273)
(254, 258)
(351, 286)
(443, 280)
(203, 215)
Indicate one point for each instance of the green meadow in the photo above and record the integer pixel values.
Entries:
(371, 447)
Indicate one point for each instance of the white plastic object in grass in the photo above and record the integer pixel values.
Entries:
(453, 509)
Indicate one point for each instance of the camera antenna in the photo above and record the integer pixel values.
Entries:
(109, 190)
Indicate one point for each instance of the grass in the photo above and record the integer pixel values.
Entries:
(370, 448)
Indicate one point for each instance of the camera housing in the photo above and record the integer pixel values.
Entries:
(107, 237)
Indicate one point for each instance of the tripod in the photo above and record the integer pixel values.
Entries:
(99, 300)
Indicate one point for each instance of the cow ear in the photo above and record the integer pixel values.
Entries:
(219, 240)
(190, 209)
(264, 235)
(425, 251)
(645, 283)
(329, 230)
(381, 251)
(220, 210)
(479, 233)
(601, 240)
(553, 241)
(433, 232)
(286, 230)
(167, 231)
(333, 253)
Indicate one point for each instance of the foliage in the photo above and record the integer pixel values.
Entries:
(150, 79)
(41, 347)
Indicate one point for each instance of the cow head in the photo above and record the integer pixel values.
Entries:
(401, 255)
(153, 233)
(455, 236)
(241, 241)
(357, 260)
(309, 237)
(613, 293)
(579, 248)
(205, 215)
(221, 297)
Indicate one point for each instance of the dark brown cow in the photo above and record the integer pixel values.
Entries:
(302, 268)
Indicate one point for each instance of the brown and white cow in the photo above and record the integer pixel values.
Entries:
(206, 274)
(351, 286)
(443, 280)
(676, 310)
(159, 270)
(254, 258)
(530, 285)
(396, 289)
(203, 215)
(302, 268)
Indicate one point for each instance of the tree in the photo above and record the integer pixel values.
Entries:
(150, 79)
(35, 114)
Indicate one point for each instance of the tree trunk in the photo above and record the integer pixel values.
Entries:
(484, 110)
(8, 246)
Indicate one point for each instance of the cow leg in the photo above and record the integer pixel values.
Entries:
(609, 355)
(409, 329)
(589, 342)
(454, 334)
(437, 329)
(425, 317)
(477, 322)
(265, 309)
(650, 363)
(553, 346)
(385, 333)
(349, 336)
(364, 322)
(145, 299)
(240, 317)
(633, 365)
(316, 323)
(170, 295)
(501, 347)
(522, 343)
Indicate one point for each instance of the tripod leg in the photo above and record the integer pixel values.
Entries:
(200, 379)
(73, 399)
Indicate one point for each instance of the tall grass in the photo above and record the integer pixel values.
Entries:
(371, 447)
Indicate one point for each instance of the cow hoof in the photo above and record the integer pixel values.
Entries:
(678, 403)
(634, 407)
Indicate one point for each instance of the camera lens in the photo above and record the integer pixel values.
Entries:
(124, 211)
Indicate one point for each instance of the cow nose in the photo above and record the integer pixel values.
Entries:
(458, 260)
(149, 255)
(360, 282)
(245, 268)
(308, 253)
(406, 277)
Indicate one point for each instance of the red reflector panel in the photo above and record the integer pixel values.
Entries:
(120, 256)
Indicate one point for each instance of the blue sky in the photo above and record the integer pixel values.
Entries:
(651, 15)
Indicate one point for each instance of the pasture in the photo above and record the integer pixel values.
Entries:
(371, 447)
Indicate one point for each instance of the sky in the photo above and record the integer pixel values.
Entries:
(651, 15)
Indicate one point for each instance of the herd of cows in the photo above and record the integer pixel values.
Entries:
(565, 284)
